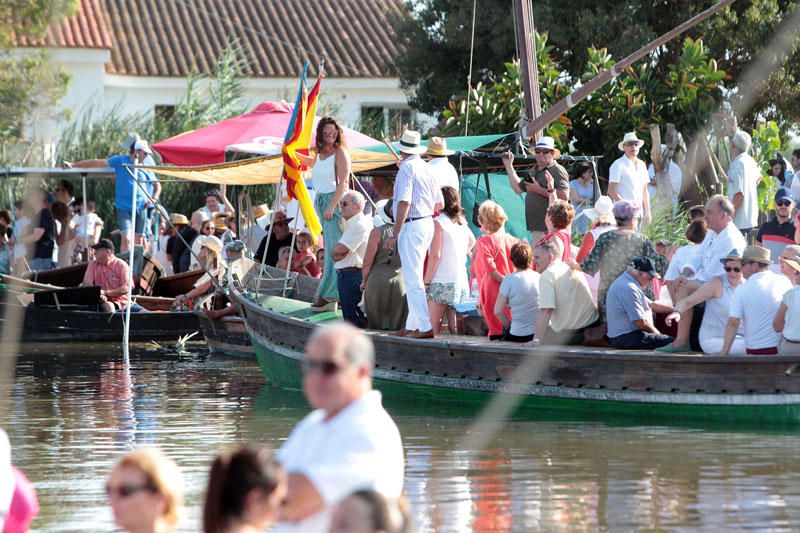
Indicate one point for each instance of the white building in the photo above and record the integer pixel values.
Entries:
(137, 55)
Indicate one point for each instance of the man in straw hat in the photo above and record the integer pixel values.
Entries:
(628, 178)
(756, 302)
(439, 165)
(547, 180)
(416, 196)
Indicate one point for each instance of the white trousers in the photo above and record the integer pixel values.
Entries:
(412, 245)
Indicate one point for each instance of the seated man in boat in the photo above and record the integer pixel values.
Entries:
(348, 443)
(112, 275)
(281, 236)
(566, 306)
(628, 310)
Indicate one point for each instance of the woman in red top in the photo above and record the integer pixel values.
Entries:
(491, 262)
(558, 218)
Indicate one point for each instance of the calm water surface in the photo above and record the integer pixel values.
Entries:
(72, 414)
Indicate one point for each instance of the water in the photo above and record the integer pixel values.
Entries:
(72, 414)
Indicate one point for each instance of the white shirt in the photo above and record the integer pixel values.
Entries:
(521, 290)
(791, 328)
(682, 256)
(355, 235)
(756, 303)
(359, 448)
(796, 185)
(445, 173)
(675, 180)
(416, 185)
(86, 224)
(323, 175)
(630, 177)
(209, 214)
(743, 175)
(456, 240)
(714, 247)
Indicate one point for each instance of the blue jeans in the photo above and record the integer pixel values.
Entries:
(640, 340)
(42, 263)
(348, 281)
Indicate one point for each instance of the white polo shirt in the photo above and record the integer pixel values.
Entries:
(359, 448)
(756, 303)
(630, 177)
(743, 175)
(355, 235)
(445, 173)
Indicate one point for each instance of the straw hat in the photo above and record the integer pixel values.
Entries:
(602, 210)
(260, 210)
(437, 146)
(548, 143)
(176, 219)
(219, 223)
(410, 143)
(211, 242)
(733, 255)
(757, 254)
(794, 264)
(630, 137)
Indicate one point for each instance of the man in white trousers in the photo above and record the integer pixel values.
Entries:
(416, 197)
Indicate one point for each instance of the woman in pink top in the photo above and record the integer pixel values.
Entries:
(491, 262)
(558, 218)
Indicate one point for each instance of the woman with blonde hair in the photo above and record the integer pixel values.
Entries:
(246, 488)
(491, 262)
(145, 492)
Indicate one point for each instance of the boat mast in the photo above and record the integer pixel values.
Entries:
(529, 71)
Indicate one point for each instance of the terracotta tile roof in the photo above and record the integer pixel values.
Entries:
(169, 38)
(87, 29)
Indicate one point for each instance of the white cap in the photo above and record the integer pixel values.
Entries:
(142, 145)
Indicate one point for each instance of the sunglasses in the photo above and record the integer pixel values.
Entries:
(632, 143)
(734, 269)
(125, 491)
(279, 223)
(785, 203)
(542, 151)
(326, 368)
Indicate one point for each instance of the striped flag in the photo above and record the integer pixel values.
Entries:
(298, 140)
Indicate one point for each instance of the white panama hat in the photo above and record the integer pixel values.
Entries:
(410, 143)
(602, 210)
(630, 137)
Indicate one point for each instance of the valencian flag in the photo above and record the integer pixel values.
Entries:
(298, 140)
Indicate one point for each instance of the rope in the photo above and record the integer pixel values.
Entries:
(469, 72)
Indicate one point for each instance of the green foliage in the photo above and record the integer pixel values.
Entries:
(667, 224)
(766, 142)
(31, 18)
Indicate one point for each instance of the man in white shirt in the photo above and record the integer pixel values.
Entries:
(416, 196)
(349, 256)
(722, 237)
(439, 165)
(217, 202)
(627, 177)
(348, 443)
(795, 185)
(756, 303)
(743, 177)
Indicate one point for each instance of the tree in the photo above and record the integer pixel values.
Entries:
(28, 81)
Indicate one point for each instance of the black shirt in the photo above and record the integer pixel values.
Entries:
(179, 249)
(44, 246)
(275, 246)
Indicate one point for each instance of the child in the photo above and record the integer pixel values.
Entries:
(305, 262)
(89, 225)
(283, 258)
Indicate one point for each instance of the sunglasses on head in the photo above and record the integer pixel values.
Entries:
(326, 368)
(125, 491)
(733, 269)
(783, 203)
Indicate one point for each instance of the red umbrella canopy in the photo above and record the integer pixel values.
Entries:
(206, 146)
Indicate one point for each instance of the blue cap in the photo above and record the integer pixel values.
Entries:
(784, 193)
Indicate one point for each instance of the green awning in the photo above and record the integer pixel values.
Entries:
(471, 142)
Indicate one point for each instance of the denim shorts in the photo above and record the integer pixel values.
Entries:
(124, 220)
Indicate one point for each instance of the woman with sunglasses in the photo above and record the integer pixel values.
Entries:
(717, 293)
(144, 491)
(246, 489)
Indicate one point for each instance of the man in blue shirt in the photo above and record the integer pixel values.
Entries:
(628, 310)
(124, 183)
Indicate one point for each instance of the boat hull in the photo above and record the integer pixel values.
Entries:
(226, 336)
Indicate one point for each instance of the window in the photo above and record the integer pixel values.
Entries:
(386, 121)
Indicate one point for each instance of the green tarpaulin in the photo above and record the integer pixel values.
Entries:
(513, 203)
(472, 142)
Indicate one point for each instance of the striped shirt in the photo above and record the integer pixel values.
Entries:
(416, 185)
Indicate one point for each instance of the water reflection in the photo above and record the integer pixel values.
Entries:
(71, 414)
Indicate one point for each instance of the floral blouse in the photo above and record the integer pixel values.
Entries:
(612, 253)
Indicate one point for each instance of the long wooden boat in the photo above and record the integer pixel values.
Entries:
(596, 383)
(53, 324)
(227, 335)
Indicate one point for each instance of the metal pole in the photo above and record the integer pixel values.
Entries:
(126, 330)
(291, 253)
(276, 204)
(85, 217)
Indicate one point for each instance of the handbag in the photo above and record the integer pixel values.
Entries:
(476, 205)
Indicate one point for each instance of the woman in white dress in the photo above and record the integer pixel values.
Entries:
(717, 293)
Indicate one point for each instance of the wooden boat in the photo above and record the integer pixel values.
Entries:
(597, 383)
(227, 335)
(70, 322)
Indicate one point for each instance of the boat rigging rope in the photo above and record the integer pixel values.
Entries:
(469, 72)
